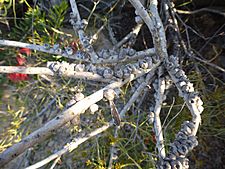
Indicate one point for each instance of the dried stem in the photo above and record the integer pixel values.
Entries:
(127, 107)
(55, 162)
(26, 70)
(134, 32)
(113, 155)
(200, 10)
(79, 56)
(159, 98)
(47, 71)
(127, 58)
(137, 93)
(41, 49)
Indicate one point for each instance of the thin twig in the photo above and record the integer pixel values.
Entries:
(171, 106)
(70, 146)
(173, 118)
(47, 107)
(134, 32)
(200, 10)
(55, 162)
(210, 39)
(206, 62)
(138, 112)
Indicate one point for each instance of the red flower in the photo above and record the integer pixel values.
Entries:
(20, 59)
(17, 77)
(25, 51)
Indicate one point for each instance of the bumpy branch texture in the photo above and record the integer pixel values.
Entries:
(76, 142)
(51, 126)
(185, 88)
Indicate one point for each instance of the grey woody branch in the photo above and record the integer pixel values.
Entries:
(86, 71)
(104, 57)
(79, 25)
(76, 142)
(154, 23)
(51, 126)
(47, 71)
(55, 49)
(125, 55)
(186, 90)
(160, 87)
(70, 146)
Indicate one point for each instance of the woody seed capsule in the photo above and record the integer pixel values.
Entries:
(78, 96)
